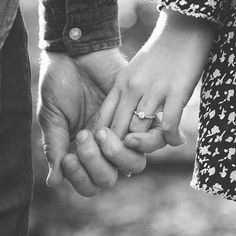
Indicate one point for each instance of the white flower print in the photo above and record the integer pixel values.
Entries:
(231, 153)
(214, 130)
(231, 60)
(215, 162)
(222, 115)
(229, 139)
(193, 7)
(204, 150)
(212, 171)
(182, 2)
(216, 73)
(222, 59)
(207, 94)
(211, 3)
(233, 176)
(212, 114)
(230, 36)
(217, 187)
(224, 172)
(231, 117)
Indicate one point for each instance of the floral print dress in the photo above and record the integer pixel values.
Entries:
(215, 163)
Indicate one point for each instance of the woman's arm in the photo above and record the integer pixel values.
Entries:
(161, 77)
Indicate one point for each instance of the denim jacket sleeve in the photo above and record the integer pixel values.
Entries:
(78, 26)
(8, 10)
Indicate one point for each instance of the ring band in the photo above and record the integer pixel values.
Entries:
(126, 173)
(141, 115)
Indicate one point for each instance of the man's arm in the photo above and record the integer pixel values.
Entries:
(72, 90)
(78, 27)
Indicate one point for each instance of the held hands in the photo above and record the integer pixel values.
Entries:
(161, 77)
(71, 92)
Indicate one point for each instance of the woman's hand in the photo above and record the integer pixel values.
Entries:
(160, 78)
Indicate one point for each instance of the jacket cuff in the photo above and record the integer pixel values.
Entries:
(78, 26)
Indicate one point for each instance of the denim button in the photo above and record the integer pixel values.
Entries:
(75, 34)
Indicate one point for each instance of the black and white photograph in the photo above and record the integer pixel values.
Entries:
(117, 118)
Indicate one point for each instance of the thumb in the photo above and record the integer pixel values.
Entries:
(56, 144)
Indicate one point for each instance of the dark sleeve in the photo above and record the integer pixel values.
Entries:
(8, 10)
(212, 10)
(78, 26)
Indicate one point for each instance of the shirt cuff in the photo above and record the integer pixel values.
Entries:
(212, 10)
(79, 27)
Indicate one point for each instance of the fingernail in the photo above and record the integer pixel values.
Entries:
(82, 136)
(133, 142)
(101, 135)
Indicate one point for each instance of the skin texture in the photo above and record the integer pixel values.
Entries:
(71, 91)
(160, 78)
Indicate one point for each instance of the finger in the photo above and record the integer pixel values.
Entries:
(56, 143)
(123, 114)
(146, 142)
(170, 121)
(102, 173)
(148, 105)
(105, 115)
(77, 176)
(114, 150)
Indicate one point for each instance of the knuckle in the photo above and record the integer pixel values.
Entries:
(133, 127)
(71, 171)
(134, 85)
(114, 127)
(87, 156)
(75, 172)
(113, 151)
(168, 128)
(77, 180)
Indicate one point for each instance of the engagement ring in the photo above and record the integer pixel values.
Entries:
(141, 115)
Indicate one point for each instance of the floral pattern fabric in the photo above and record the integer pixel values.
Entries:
(215, 163)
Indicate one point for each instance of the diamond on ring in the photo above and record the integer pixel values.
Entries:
(141, 115)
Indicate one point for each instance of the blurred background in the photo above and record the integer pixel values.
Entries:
(158, 202)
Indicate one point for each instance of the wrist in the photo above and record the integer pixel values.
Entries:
(178, 31)
(102, 65)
